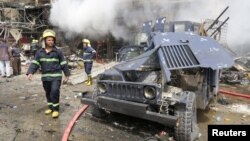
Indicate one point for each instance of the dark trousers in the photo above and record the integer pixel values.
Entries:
(88, 67)
(16, 65)
(52, 90)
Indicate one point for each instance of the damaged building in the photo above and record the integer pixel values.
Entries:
(23, 21)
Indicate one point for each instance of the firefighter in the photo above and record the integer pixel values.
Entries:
(34, 46)
(88, 55)
(52, 63)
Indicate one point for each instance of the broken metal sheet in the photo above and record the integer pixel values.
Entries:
(239, 73)
(242, 63)
(16, 33)
(235, 77)
(240, 67)
(10, 13)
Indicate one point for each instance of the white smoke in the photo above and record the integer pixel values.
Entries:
(239, 28)
(238, 24)
(90, 17)
(98, 17)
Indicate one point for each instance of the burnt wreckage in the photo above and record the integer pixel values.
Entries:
(176, 73)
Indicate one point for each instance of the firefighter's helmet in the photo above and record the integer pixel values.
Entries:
(49, 33)
(34, 41)
(86, 41)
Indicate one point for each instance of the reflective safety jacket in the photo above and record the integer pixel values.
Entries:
(88, 54)
(52, 64)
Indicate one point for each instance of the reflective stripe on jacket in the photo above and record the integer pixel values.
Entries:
(88, 54)
(52, 64)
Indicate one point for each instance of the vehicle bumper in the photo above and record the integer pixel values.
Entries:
(134, 109)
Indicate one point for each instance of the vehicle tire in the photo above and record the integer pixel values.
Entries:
(98, 112)
(186, 128)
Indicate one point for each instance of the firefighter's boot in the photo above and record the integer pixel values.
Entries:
(48, 111)
(90, 81)
(87, 81)
(55, 114)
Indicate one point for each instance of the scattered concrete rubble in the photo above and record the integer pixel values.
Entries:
(240, 108)
(239, 73)
(234, 108)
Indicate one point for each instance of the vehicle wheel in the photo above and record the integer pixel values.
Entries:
(186, 128)
(98, 112)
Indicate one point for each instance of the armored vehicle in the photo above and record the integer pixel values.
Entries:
(165, 80)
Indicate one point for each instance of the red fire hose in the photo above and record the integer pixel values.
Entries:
(72, 122)
(234, 93)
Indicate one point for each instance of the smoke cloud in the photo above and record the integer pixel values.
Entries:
(238, 24)
(97, 18)
(92, 17)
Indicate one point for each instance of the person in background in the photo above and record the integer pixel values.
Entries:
(88, 55)
(16, 60)
(34, 46)
(52, 62)
(5, 56)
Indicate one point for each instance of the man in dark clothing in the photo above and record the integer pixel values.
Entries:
(16, 61)
(88, 55)
(52, 63)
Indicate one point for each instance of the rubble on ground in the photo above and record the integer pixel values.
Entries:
(239, 73)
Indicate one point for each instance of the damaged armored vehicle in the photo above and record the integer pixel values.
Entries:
(166, 79)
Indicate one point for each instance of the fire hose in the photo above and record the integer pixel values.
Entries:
(72, 122)
(234, 93)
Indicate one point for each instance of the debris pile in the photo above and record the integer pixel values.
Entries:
(239, 73)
